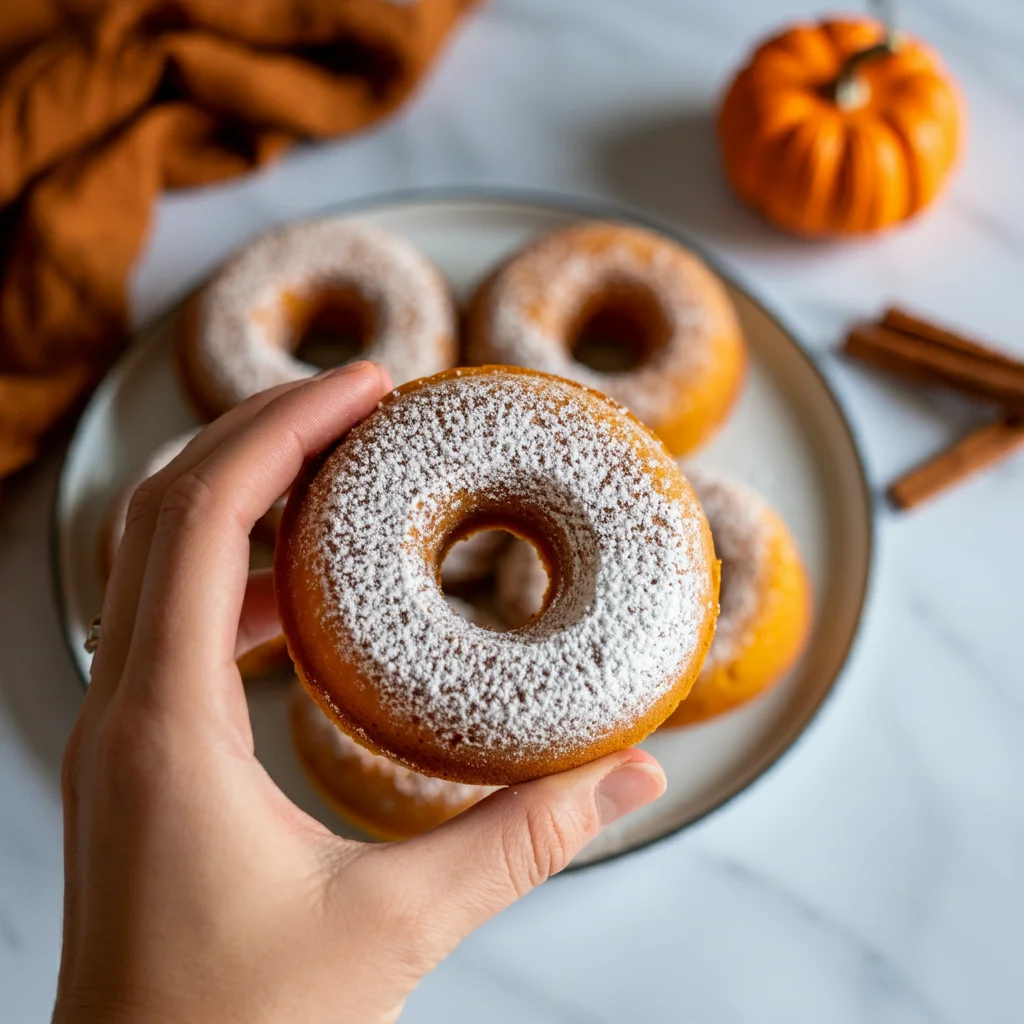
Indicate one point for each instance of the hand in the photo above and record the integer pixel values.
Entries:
(195, 890)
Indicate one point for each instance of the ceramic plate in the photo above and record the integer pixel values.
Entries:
(787, 437)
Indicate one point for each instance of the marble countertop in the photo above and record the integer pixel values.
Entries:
(876, 874)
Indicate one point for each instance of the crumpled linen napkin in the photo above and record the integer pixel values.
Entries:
(104, 103)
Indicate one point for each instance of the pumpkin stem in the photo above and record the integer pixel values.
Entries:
(848, 90)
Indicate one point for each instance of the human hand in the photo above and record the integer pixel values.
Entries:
(195, 890)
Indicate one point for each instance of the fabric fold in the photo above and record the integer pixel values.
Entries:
(105, 103)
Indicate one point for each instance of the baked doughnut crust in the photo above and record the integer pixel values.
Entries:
(766, 601)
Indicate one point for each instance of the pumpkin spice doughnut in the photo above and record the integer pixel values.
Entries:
(382, 798)
(240, 330)
(631, 609)
(645, 310)
(765, 604)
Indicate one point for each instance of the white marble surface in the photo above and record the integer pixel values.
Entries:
(877, 874)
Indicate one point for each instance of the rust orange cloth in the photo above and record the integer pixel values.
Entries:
(103, 103)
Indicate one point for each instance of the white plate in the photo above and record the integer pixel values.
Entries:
(787, 437)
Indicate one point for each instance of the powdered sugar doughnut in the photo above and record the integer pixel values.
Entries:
(634, 577)
(240, 330)
(379, 796)
(766, 603)
(618, 290)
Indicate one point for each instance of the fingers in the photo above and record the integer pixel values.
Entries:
(480, 862)
(122, 596)
(192, 592)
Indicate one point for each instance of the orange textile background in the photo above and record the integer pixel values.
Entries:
(103, 103)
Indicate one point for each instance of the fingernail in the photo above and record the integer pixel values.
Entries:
(627, 789)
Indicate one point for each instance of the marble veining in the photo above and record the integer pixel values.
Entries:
(876, 876)
(879, 974)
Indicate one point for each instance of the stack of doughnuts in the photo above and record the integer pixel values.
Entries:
(503, 572)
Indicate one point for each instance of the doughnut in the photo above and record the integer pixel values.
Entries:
(239, 332)
(375, 794)
(655, 328)
(625, 627)
(269, 656)
(766, 602)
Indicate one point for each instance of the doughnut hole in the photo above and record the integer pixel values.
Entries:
(571, 578)
(473, 586)
(483, 599)
(331, 326)
(520, 583)
(619, 328)
(468, 567)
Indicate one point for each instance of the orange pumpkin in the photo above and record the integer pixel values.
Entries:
(840, 128)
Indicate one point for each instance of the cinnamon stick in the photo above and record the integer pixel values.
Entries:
(920, 359)
(900, 320)
(972, 453)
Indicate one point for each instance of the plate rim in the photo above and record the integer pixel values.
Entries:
(584, 206)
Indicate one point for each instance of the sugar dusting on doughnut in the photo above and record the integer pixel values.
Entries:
(416, 787)
(742, 533)
(242, 335)
(537, 295)
(603, 653)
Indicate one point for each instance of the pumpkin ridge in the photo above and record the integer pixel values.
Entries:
(817, 170)
(910, 163)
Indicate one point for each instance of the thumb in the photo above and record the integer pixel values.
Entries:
(474, 866)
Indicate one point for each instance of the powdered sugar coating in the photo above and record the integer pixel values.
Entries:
(535, 298)
(241, 337)
(741, 533)
(422, 789)
(610, 645)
